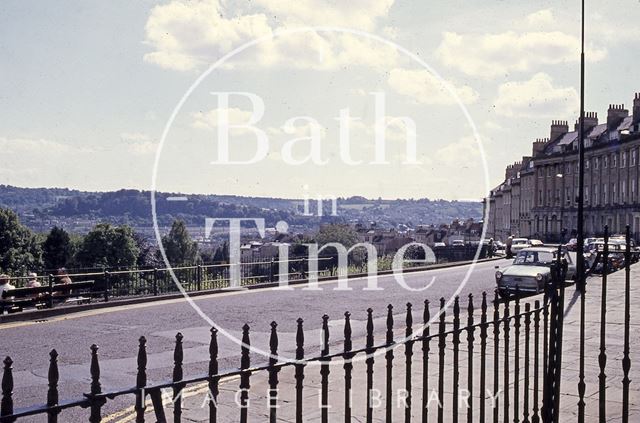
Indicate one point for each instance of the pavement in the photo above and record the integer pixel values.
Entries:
(117, 329)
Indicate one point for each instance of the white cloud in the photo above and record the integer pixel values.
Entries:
(190, 35)
(537, 97)
(491, 55)
(360, 14)
(461, 154)
(425, 88)
(210, 119)
(541, 18)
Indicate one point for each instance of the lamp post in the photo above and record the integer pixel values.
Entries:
(561, 199)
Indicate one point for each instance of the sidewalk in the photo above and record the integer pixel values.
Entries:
(195, 406)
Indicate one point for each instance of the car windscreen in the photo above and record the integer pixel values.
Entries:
(534, 257)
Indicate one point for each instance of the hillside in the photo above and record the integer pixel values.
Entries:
(41, 208)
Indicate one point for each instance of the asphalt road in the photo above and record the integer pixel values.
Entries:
(116, 330)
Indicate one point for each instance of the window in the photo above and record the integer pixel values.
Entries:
(558, 199)
(586, 164)
(548, 197)
(540, 197)
(614, 160)
(605, 162)
(548, 170)
(596, 163)
(613, 193)
(595, 194)
(633, 191)
(586, 194)
(568, 169)
(568, 195)
(623, 191)
(633, 157)
(623, 159)
(604, 193)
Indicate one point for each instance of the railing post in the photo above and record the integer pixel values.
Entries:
(389, 359)
(155, 281)
(299, 369)
(408, 352)
(470, 339)
(483, 358)
(273, 373)
(51, 283)
(496, 354)
(96, 387)
(141, 380)
(536, 361)
(369, 361)
(442, 337)
(107, 285)
(52, 392)
(199, 277)
(178, 357)
(626, 361)
(516, 360)
(245, 362)
(6, 405)
(456, 353)
(506, 320)
(602, 356)
(324, 372)
(213, 376)
(348, 366)
(527, 332)
(426, 317)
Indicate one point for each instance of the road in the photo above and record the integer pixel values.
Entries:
(116, 330)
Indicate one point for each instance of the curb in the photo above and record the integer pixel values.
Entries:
(37, 315)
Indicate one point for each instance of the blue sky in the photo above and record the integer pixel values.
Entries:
(86, 89)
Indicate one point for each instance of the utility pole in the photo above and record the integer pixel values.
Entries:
(580, 268)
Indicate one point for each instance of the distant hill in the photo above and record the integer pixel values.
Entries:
(41, 208)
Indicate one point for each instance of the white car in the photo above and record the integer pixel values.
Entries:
(518, 244)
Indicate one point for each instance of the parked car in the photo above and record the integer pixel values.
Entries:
(518, 244)
(536, 243)
(457, 243)
(531, 270)
(572, 245)
(439, 244)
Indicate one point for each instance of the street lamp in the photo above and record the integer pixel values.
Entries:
(561, 196)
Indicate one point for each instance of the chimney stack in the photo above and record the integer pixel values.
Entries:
(558, 128)
(615, 115)
(636, 110)
(538, 146)
(590, 121)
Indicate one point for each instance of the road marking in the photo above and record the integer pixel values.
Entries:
(177, 198)
(159, 303)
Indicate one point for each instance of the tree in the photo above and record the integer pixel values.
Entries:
(342, 234)
(108, 246)
(57, 249)
(178, 245)
(19, 249)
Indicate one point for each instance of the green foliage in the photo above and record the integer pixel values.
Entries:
(108, 246)
(19, 249)
(178, 245)
(57, 249)
(342, 234)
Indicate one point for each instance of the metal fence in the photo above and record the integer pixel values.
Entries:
(490, 329)
(204, 277)
(508, 356)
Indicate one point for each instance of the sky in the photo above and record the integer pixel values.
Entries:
(88, 88)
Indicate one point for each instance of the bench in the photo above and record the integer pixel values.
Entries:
(15, 300)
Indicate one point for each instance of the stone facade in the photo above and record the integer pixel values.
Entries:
(538, 197)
